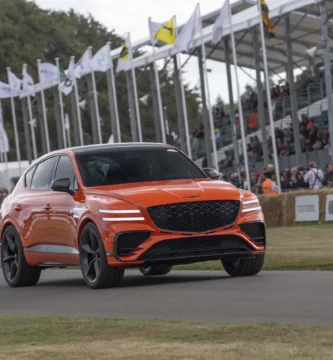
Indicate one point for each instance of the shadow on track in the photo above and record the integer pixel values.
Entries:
(131, 280)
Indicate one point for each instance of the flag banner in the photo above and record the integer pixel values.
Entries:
(67, 123)
(164, 32)
(14, 81)
(33, 123)
(28, 84)
(222, 20)
(102, 60)
(124, 57)
(48, 73)
(268, 26)
(189, 30)
(83, 66)
(6, 92)
(4, 143)
(68, 80)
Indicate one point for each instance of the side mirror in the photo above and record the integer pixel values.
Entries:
(212, 173)
(62, 185)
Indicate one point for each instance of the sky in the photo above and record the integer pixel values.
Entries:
(132, 16)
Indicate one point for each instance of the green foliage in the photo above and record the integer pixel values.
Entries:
(28, 33)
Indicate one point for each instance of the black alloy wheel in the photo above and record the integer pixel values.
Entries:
(15, 268)
(94, 266)
(151, 270)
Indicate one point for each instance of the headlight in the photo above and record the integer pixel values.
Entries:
(122, 215)
(250, 205)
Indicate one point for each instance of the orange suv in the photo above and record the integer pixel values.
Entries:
(111, 207)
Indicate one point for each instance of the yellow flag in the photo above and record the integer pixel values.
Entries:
(167, 33)
(268, 26)
(124, 53)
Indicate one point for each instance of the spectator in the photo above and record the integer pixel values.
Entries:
(269, 186)
(328, 179)
(314, 177)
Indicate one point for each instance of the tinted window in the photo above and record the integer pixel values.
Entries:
(28, 177)
(121, 166)
(43, 174)
(65, 169)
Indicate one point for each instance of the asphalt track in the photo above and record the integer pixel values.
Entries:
(299, 297)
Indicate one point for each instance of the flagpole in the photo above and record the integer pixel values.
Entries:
(47, 138)
(18, 153)
(241, 116)
(4, 154)
(78, 107)
(182, 91)
(269, 100)
(211, 121)
(158, 88)
(114, 90)
(61, 103)
(98, 118)
(68, 129)
(136, 99)
(31, 120)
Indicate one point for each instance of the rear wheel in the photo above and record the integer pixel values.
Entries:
(244, 267)
(94, 266)
(150, 270)
(15, 268)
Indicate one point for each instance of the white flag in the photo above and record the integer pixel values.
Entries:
(154, 27)
(189, 30)
(48, 73)
(102, 60)
(28, 84)
(14, 81)
(66, 86)
(4, 143)
(125, 56)
(6, 92)
(222, 20)
(67, 124)
(83, 66)
(33, 123)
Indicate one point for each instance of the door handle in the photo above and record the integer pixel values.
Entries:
(18, 208)
(47, 207)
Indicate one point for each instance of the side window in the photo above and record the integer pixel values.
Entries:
(28, 177)
(65, 169)
(44, 173)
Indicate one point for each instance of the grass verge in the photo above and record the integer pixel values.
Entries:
(71, 338)
(290, 248)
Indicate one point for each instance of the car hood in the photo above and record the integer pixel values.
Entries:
(166, 192)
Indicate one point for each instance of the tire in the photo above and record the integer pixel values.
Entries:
(152, 270)
(15, 268)
(244, 267)
(95, 269)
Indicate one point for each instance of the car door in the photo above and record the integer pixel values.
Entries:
(62, 224)
(33, 207)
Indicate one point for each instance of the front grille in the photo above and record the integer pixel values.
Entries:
(254, 230)
(196, 216)
(196, 247)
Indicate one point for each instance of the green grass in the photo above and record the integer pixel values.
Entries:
(79, 338)
(308, 247)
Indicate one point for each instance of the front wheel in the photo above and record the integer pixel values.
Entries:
(15, 268)
(244, 267)
(150, 270)
(94, 266)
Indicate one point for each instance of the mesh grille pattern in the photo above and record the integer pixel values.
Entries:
(195, 216)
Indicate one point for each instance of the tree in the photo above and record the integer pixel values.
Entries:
(28, 33)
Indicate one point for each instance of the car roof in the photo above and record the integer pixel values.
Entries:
(90, 149)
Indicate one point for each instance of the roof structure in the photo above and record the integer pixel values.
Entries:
(306, 33)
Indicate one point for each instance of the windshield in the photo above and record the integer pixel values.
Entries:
(122, 166)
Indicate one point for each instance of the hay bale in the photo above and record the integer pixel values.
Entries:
(279, 210)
